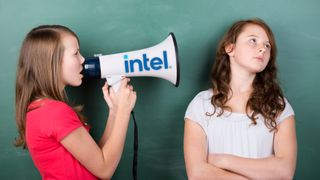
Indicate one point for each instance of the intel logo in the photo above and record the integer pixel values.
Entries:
(146, 64)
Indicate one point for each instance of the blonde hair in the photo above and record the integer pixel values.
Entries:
(39, 72)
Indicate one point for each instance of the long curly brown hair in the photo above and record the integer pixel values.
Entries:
(39, 72)
(267, 97)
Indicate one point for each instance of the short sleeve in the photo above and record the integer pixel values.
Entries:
(288, 111)
(196, 110)
(66, 120)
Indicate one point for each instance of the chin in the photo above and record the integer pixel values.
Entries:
(258, 69)
(79, 84)
(76, 84)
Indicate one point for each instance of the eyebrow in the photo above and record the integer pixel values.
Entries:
(74, 50)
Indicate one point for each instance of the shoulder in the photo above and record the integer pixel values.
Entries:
(204, 95)
(201, 100)
(57, 106)
(52, 118)
(48, 105)
(199, 105)
(288, 108)
(50, 108)
(64, 118)
(56, 103)
(287, 112)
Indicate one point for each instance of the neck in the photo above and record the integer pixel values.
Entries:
(241, 81)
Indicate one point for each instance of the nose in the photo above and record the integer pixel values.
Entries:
(81, 59)
(262, 49)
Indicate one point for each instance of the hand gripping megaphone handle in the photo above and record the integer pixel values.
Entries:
(114, 82)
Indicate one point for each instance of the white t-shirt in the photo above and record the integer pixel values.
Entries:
(233, 133)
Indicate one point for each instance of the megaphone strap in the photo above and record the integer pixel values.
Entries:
(135, 148)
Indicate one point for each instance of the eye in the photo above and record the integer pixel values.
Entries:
(253, 41)
(268, 46)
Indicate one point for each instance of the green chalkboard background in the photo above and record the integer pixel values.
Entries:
(112, 26)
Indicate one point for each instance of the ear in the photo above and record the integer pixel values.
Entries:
(229, 49)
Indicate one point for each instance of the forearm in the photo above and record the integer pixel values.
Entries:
(108, 129)
(208, 171)
(113, 147)
(264, 168)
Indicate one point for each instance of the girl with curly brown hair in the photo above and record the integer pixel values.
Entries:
(243, 126)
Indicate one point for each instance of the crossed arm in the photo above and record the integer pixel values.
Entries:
(280, 166)
(196, 159)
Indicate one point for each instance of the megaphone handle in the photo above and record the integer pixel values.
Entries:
(114, 82)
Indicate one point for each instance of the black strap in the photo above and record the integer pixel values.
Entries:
(135, 149)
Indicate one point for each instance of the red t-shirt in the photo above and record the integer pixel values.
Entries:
(47, 123)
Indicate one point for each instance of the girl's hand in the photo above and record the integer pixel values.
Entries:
(123, 100)
(108, 95)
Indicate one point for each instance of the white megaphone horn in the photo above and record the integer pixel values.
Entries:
(159, 61)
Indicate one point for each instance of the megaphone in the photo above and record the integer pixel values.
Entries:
(159, 61)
